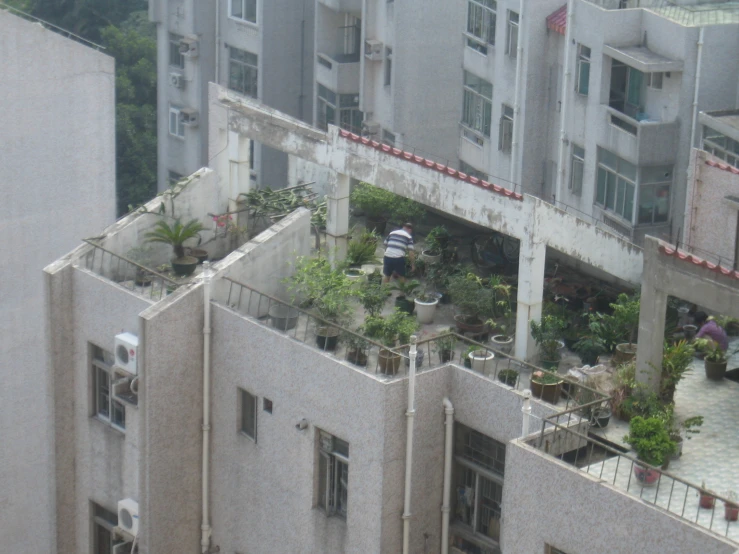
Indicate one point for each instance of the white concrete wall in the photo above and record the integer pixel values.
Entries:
(58, 185)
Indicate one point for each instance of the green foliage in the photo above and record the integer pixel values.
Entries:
(407, 210)
(545, 377)
(174, 235)
(407, 288)
(589, 348)
(471, 296)
(446, 342)
(437, 239)
(642, 402)
(373, 201)
(319, 286)
(712, 350)
(651, 440)
(361, 251)
(547, 333)
(619, 327)
(389, 330)
(373, 297)
(675, 361)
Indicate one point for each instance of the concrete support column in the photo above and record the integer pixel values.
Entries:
(239, 173)
(531, 260)
(337, 217)
(653, 309)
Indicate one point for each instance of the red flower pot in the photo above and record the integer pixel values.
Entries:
(647, 476)
(731, 512)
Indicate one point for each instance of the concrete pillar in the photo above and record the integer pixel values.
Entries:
(239, 173)
(337, 217)
(531, 260)
(652, 312)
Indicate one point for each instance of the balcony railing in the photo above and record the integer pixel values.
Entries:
(127, 273)
(642, 140)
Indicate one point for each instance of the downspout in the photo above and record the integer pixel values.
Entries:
(301, 95)
(565, 101)
(526, 409)
(512, 173)
(410, 416)
(445, 509)
(693, 124)
(205, 525)
(218, 41)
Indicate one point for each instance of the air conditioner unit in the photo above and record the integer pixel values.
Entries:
(128, 516)
(370, 128)
(122, 548)
(126, 388)
(189, 117)
(373, 50)
(177, 80)
(189, 47)
(126, 352)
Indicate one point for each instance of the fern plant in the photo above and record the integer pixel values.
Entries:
(175, 235)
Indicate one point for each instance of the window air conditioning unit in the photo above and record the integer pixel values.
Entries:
(128, 516)
(189, 47)
(126, 352)
(370, 128)
(177, 80)
(373, 50)
(189, 117)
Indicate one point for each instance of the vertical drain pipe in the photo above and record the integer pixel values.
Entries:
(513, 173)
(445, 509)
(205, 525)
(410, 416)
(526, 409)
(566, 91)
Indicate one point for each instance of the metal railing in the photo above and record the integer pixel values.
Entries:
(51, 26)
(653, 485)
(127, 273)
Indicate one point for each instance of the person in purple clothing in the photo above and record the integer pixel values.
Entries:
(708, 328)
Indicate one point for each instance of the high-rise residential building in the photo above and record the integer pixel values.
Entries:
(58, 185)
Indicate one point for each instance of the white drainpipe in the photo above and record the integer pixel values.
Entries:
(566, 91)
(696, 88)
(205, 525)
(448, 433)
(513, 175)
(526, 409)
(410, 416)
(218, 41)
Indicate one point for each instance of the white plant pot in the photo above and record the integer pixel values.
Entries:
(481, 361)
(357, 276)
(430, 258)
(504, 343)
(425, 310)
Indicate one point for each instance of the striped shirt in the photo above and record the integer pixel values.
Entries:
(397, 244)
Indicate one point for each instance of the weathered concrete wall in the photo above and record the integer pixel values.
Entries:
(58, 185)
(711, 220)
(548, 502)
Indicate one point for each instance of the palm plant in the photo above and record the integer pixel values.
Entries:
(175, 235)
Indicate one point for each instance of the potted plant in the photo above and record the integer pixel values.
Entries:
(437, 242)
(283, 316)
(731, 507)
(676, 359)
(406, 289)
(376, 203)
(175, 235)
(360, 251)
(357, 348)
(626, 314)
(445, 345)
(437, 276)
(481, 360)
(546, 385)
(389, 330)
(466, 360)
(425, 307)
(141, 255)
(502, 319)
(589, 348)
(707, 498)
(650, 439)
(715, 358)
(373, 296)
(474, 301)
(508, 377)
(681, 429)
(546, 333)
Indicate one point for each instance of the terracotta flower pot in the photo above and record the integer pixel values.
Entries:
(647, 476)
(731, 511)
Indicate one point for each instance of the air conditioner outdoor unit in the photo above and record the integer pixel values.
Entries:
(189, 47)
(373, 50)
(126, 388)
(370, 128)
(177, 80)
(128, 516)
(126, 352)
(189, 117)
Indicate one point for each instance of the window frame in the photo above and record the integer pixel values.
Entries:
(470, 170)
(333, 475)
(105, 520)
(174, 51)
(721, 146)
(104, 404)
(344, 107)
(618, 178)
(655, 186)
(583, 62)
(176, 111)
(475, 104)
(245, 4)
(512, 30)
(388, 70)
(505, 130)
(244, 398)
(482, 18)
(248, 72)
(577, 167)
(653, 82)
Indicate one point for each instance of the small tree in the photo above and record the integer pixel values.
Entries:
(175, 235)
(546, 333)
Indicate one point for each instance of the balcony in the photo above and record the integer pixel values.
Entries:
(338, 72)
(641, 140)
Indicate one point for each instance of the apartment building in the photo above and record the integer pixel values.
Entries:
(55, 190)
(226, 42)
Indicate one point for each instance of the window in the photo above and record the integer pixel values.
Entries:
(481, 24)
(388, 65)
(477, 109)
(479, 464)
(333, 474)
(471, 171)
(103, 522)
(626, 89)
(267, 405)
(616, 184)
(388, 137)
(105, 407)
(721, 146)
(512, 35)
(176, 127)
(576, 169)
(248, 414)
(349, 116)
(176, 59)
(583, 70)
(242, 71)
(654, 194)
(244, 9)
(505, 135)
(654, 80)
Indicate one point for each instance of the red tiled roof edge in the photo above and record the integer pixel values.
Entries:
(557, 20)
(430, 164)
(695, 260)
(725, 167)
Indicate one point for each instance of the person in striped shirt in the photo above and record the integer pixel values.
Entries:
(397, 244)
